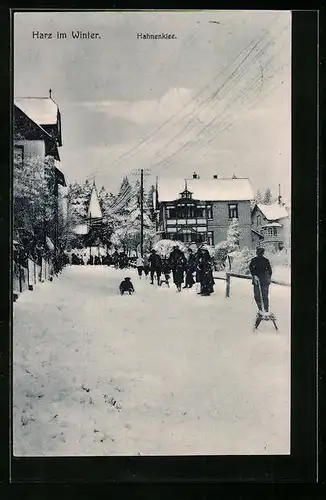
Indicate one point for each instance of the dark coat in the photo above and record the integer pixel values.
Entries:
(204, 272)
(126, 286)
(191, 263)
(155, 262)
(177, 259)
(260, 266)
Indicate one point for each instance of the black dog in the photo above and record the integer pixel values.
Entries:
(126, 286)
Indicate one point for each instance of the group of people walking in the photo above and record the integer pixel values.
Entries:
(82, 259)
(186, 270)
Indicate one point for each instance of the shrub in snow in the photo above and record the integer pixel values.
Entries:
(241, 261)
(165, 247)
(221, 252)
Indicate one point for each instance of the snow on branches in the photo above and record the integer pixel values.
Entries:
(33, 194)
(231, 244)
(165, 247)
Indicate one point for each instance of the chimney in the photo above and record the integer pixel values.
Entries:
(215, 176)
(279, 198)
(194, 175)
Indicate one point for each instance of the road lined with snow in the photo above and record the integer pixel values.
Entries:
(158, 372)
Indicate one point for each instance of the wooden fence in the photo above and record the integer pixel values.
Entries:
(229, 274)
(26, 277)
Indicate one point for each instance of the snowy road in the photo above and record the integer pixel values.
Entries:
(159, 372)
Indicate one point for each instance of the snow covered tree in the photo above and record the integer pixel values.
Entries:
(258, 197)
(267, 199)
(127, 219)
(221, 251)
(233, 235)
(165, 247)
(231, 244)
(34, 200)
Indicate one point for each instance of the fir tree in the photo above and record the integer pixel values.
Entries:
(267, 197)
(258, 197)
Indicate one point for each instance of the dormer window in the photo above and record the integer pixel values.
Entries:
(186, 194)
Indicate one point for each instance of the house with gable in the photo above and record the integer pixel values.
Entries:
(200, 210)
(271, 225)
(37, 135)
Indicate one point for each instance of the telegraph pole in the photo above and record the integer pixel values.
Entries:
(142, 172)
(142, 212)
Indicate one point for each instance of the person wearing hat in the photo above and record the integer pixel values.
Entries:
(155, 263)
(261, 272)
(126, 286)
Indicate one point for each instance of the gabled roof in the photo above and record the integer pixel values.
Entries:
(169, 189)
(42, 110)
(273, 212)
(34, 128)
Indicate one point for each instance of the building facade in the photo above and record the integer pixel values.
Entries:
(200, 210)
(272, 224)
(37, 137)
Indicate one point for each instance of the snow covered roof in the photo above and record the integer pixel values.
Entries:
(273, 212)
(94, 209)
(42, 110)
(273, 224)
(169, 189)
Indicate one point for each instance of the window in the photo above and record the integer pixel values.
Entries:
(19, 156)
(209, 211)
(258, 220)
(191, 212)
(171, 213)
(272, 231)
(210, 238)
(200, 213)
(181, 213)
(233, 211)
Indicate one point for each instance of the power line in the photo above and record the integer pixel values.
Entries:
(187, 145)
(157, 129)
(208, 101)
(216, 92)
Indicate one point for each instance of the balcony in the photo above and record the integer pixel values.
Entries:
(186, 222)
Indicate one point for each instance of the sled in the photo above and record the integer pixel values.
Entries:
(263, 315)
(166, 282)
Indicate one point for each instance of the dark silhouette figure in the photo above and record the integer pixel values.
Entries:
(261, 272)
(190, 269)
(126, 286)
(155, 263)
(177, 262)
(205, 272)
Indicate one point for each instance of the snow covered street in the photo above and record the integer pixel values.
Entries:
(155, 373)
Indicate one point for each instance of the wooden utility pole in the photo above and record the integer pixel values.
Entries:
(142, 172)
(142, 212)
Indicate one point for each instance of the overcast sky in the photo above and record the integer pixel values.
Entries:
(216, 99)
